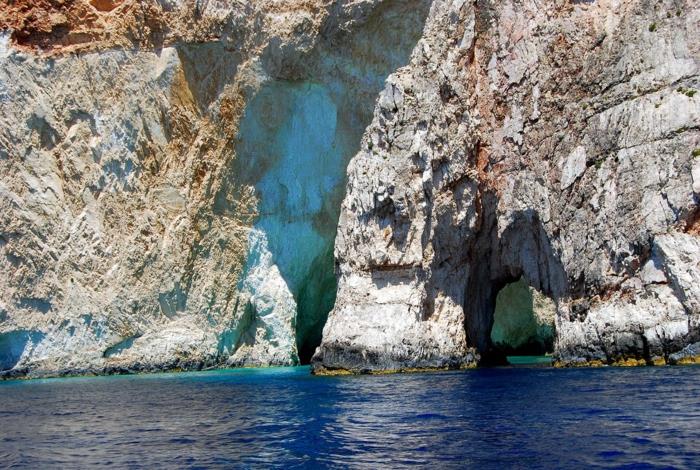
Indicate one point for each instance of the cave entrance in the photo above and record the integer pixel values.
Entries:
(295, 140)
(523, 327)
(514, 279)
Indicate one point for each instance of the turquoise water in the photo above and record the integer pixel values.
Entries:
(529, 360)
(286, 418)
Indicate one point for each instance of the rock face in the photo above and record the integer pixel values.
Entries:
(171, 175)
(557, 143)
(172, 172)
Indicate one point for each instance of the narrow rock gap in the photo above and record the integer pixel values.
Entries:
(296, 137)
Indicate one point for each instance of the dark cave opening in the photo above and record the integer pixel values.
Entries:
(516, 320)
(512, 286)
(316, 295)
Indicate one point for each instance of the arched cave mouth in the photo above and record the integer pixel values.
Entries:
(513, 274)
(523, 323)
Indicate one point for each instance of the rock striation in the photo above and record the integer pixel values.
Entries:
(556, 143)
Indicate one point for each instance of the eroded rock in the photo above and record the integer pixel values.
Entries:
(555, 145)
(170, 187)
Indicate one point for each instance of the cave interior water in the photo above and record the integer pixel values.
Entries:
(523, 328)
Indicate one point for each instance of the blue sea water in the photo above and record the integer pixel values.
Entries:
(286, 418)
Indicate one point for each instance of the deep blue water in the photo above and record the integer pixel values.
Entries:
(487, 418)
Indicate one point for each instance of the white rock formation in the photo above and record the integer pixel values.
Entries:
(555, 142)
(171, 175)
(152, 216)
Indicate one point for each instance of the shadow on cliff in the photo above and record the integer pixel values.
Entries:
(296, 138)
(13, 345)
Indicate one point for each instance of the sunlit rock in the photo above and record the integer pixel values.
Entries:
(557, 145)
(171, 182)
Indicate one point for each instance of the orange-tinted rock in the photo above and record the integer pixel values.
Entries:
(105, 5)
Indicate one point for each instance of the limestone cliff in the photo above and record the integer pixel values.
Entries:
(556, 142)
(171, 174)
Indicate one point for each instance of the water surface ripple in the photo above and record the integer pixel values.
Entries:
(283, 417)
